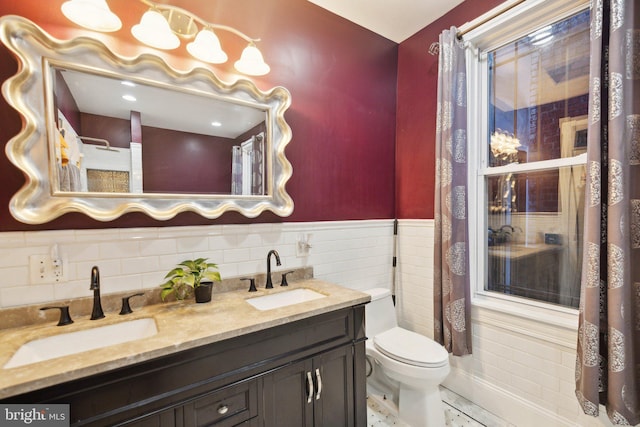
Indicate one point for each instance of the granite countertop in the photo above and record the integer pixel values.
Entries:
(181, 325)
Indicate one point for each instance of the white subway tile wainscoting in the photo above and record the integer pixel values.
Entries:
(521, 369)
(355, 254)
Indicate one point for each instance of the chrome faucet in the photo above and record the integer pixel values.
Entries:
(271, 252)
(97, 312)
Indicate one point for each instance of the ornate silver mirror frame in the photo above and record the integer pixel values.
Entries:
(40, 199)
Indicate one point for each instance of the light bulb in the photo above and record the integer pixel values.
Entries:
(251, 62)
(92, 14)
(206, 47)
(153, 30)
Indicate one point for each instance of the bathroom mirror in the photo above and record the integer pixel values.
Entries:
(105, 135)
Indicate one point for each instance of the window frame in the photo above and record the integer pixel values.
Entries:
(514, 20)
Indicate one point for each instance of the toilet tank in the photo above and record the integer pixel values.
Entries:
(380, 312)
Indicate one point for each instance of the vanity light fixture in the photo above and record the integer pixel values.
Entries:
(206, 47)
(162, 27)
(154, 30)
(251, 61)
(92, 14)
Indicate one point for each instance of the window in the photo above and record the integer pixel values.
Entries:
(531, 89)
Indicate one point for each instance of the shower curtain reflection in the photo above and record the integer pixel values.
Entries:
(571, 202)
(248, 168)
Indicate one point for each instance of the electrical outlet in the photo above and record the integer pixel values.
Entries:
(43, 269)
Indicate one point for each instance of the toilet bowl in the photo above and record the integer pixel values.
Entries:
(405, 367)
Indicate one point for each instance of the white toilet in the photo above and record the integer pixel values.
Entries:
(404, 366)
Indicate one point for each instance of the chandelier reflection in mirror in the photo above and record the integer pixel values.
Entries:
(163, 25)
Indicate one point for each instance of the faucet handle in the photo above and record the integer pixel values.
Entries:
(65, 318)
(252, 287)
(284, 278)
(126, 308)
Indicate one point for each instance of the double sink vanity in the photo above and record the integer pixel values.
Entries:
(288, 356)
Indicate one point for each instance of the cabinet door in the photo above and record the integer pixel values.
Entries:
(315, 392)
(288, 396)
(334, 396)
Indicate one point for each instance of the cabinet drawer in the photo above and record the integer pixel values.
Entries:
(226, 407)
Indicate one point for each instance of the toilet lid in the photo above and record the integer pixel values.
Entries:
(411, 348)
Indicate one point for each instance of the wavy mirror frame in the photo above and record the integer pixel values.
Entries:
(37, 201)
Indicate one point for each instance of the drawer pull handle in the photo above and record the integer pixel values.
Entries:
(309, 387)
(319, 382)
(223, 409)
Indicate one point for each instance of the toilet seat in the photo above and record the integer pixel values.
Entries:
(411, 348)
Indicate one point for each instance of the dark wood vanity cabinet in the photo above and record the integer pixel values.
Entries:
(316, 392)
(309, 372)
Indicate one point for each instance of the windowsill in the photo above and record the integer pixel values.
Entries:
(553, 324)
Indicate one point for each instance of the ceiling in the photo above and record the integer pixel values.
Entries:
(396, 20)
(186, 112)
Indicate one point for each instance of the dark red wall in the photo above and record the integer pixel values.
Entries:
(116, 131)
(416, 113)
(342, 80)
(65, 102)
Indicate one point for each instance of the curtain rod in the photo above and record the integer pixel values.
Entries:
(481, 21)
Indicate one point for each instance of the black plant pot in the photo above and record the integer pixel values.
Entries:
(203, 292)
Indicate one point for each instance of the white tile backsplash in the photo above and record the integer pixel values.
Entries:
(13, 257)
(355, 254)
(18, 295)
(20, 274)
(192, 244)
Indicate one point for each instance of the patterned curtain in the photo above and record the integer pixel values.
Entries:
(451, 276)
(608, 360)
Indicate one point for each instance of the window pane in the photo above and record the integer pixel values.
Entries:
(531, 254)
(533, 83)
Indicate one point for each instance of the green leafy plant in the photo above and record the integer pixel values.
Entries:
(187, 276)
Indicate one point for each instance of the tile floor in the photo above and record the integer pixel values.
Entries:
(459, 412)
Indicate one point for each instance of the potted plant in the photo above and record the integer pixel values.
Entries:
(191, 276)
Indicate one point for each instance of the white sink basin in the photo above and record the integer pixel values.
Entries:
(283, 299)
(79, 341)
